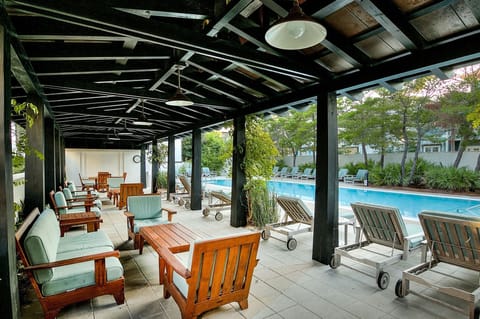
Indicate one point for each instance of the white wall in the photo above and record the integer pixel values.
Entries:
(89, 162)
(469, 159)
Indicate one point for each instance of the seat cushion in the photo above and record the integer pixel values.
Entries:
(80, 275)
(84, 241)
(137, 224)
(413, 229)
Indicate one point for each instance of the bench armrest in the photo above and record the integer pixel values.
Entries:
(76, 260)
(170, 213)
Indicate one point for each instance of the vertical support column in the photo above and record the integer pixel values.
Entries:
(238, 216)
(171, 166)
(50, 157)
(325, 229)
(35, 193)
(63, 171)
(143, 166)
(59, 154)
(9, 307)
(196, 194)
(154, 166)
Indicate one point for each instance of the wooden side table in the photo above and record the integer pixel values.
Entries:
(174, 236)
(85, 218)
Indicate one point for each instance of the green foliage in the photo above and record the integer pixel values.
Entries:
(388, 176)
(262, 204)
(260, 157)
(451, 178)
(215, 151)
(162, 181)
(159, 154)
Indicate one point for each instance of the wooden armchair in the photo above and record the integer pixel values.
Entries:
(102, 184)
(87, 183)
(127, 189)
(145, 210)
(219, 272)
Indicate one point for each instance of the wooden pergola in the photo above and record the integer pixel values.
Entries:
(93, 68)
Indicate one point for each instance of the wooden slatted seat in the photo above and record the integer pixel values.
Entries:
(127, 189)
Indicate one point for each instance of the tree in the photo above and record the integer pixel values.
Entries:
(215, 150)
(418, 116)
(260, 157)
(459, 106)
(295, 132)
(355, 126)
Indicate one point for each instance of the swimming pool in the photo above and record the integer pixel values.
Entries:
(410, 204)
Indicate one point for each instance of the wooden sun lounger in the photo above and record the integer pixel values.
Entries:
(452, 239)
(382, 226)
(217, 201)
(297, 219)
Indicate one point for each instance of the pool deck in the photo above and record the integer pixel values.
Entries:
(286, 284)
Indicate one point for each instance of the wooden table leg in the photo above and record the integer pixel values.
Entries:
(141, 242)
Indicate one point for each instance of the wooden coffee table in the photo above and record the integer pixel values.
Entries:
(174, 236)
(68, 220)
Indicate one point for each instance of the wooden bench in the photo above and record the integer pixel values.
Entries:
(67, 270)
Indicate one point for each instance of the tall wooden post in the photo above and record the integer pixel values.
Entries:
(325, 229)
(171, 166)
(10, 305)
(196, 195)
(239, 211)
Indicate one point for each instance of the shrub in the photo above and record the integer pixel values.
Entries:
(451, 178)
(262, 207)
(389, 176)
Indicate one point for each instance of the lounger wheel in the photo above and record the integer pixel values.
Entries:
(399, 289)
(334, 262)
(383, 280)
(476, 313)
(187, 204)
(218, 216)
(206, 211)
(291, 244)
(265, 234)
(181, 202)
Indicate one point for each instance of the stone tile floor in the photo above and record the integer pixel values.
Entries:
(286, 284)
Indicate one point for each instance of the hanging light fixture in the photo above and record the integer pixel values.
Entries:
(179, 99)
(114, 137)
(125, 131)
(142, 120)
(296, 31)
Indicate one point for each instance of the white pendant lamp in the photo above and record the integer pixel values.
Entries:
(125, 131)
(296, 31)
(142, 120)
(179, 99)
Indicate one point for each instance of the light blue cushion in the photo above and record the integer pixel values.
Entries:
(137, 224)
(178, 280)
(85, 241)
(145, 206)
(114, 182)
(72, 277)
(68, 196)
(41, 243)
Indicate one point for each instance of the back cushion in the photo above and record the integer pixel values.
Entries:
(41, 243)
(145, 206)
(60, 202)
(67, 193)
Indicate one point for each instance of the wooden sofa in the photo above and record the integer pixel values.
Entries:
(67, 270)
(219, 271)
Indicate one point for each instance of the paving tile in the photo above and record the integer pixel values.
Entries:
(286, 284)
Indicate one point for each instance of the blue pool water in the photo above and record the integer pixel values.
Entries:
(410, 204)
